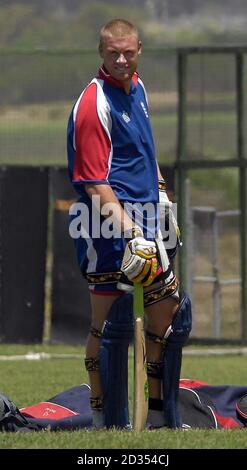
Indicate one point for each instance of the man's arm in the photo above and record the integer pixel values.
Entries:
(139, 260)
(121, 219)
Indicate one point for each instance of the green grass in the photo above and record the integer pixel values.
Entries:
(28, 382)
(36, 134)
(165, 439)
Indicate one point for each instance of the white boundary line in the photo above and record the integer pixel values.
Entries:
(38, 356)
(33, 356)
(216, 352)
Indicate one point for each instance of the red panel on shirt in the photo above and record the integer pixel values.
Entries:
(92, 143)
(104, 75)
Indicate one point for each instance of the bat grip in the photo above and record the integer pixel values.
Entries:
(138, 300)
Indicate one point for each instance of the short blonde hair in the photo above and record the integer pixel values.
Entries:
(117, 28)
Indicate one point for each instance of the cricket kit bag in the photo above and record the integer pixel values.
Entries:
(212, 406)
(201, 406)
(11, 419)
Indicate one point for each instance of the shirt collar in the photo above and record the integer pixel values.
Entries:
(104, 75)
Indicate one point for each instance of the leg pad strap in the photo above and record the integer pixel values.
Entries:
(159, 339)
(96, 403)
(155, 369)
(92, 364)
(155, 404)
(95, 332)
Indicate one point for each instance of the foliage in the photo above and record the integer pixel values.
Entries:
(68, 23)
(29, 25)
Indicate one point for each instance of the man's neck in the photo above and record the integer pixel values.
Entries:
(125, 85)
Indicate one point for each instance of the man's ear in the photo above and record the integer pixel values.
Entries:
(139, 47)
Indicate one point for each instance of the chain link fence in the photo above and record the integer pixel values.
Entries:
(196, 123)
(39, 88)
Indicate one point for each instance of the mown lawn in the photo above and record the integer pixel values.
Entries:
(37, 136)
(31, 381)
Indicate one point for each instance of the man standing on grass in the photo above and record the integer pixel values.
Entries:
(112, 165)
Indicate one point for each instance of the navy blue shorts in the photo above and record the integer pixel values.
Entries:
(100, 255)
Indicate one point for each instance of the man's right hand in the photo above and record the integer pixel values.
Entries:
(140, 261)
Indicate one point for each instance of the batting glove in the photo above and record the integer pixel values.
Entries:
(140, 261)
(168, 220)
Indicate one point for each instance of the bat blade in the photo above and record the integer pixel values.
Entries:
(140, 372)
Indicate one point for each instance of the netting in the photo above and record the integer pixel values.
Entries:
(38, 90)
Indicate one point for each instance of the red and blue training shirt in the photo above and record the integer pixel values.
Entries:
(110, 140)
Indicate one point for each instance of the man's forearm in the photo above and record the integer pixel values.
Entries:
(110, 205)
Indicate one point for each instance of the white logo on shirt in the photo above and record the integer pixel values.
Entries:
(125, 116)
(144, 109)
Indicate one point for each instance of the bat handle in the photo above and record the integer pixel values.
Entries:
(138, 300)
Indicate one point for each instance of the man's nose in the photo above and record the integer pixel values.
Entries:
(121, 58)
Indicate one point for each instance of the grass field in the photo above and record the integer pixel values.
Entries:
(36, 134)
(28, 382)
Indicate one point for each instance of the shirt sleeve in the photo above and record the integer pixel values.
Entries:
(92, 139)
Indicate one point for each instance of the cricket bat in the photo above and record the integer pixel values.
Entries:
(140, 372)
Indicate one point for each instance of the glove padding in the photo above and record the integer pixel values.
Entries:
(165, 203)
(140, 261)
(168, 221)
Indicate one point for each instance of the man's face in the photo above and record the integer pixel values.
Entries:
(120, 56)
